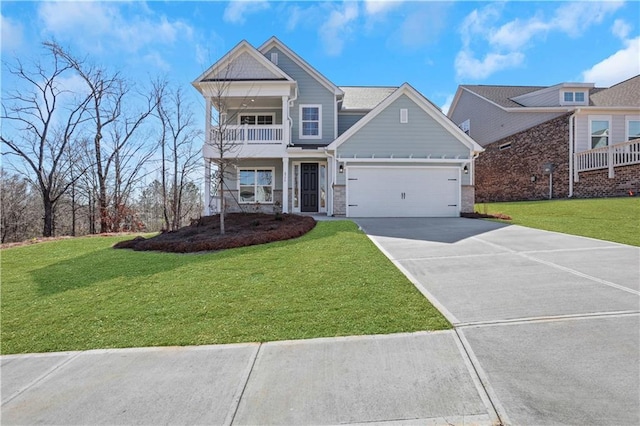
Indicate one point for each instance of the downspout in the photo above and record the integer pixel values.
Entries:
(333, 179)
(572, 120)
(289, 120)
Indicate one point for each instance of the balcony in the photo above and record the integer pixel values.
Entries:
(608, 157)
(248, 134)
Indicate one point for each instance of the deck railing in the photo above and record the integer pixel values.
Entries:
(608, 157)
(248, 134)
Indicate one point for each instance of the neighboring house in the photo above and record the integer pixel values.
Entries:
(302, 144)
(567, 140)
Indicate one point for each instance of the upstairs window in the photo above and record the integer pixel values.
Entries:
(572, 98)
(310, 121)
(599, 132)
(253, 119)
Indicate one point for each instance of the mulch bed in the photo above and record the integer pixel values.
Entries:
(486, 216)
(241, 229)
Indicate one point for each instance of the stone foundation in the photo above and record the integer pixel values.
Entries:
(339, 200)
(468, 199)
(231, 197)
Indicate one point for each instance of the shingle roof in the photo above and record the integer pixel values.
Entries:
(502, 95)
(626, 93)
(364, 98)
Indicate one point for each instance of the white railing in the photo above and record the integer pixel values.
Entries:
(247, 133)
(608, 157)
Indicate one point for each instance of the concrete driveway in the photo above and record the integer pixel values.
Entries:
(550, 321)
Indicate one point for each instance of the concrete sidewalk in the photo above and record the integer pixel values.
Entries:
(417, 378)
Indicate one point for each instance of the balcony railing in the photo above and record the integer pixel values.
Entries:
(608, 157)
(248, 134)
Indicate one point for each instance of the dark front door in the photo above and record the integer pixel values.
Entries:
(309, 187)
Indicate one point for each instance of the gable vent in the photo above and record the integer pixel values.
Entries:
(404, 115)
(274, 57)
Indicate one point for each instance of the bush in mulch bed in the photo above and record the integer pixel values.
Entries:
(477, 215)
(241, 229)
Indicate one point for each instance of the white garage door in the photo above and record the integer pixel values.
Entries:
(403, 191)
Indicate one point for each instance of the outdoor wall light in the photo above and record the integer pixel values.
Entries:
(466, 169)
(341, 169)
(533, 178)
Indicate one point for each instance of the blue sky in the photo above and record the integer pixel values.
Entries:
(435, 46)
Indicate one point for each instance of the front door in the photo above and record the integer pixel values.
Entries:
(309, 187)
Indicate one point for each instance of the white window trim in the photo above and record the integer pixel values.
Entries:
(319, 135)
(273, 184)
(256, 114)
(629, 118)
(593, 118)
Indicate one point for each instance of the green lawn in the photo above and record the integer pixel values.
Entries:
(611, 219)
(81, 294)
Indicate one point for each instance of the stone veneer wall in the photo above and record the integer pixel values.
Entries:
(468, 199)
(339, 200)
(505, 175)
(596, 183)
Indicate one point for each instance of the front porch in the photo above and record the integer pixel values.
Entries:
(607, 157)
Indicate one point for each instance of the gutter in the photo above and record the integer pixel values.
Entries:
(572, 121)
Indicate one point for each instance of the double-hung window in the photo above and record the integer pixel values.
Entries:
(633, 129)
(600, 130)
(310, 121)
(256, 185)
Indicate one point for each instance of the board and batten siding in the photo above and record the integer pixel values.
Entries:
(310, 92)
(345, 121)
(489, 123)
(384, 136)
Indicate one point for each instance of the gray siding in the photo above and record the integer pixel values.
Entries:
(245, 66)
(490, 123)
(345, 121)
(310, 91)
(385, 136)
(583, 138)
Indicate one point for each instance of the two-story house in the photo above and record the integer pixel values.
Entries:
(566, 140)
(299, 143)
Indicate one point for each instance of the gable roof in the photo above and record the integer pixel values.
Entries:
(424, 103)
(358, 98)
(274, 42)
(262, 68)
(625, 93)
(502, 95)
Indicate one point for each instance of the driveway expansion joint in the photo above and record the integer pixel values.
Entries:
(551, 318)
(235, 403)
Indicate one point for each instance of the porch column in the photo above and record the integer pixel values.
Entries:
(285, 184)
(207, 187)
(285, 120)
(207, 123)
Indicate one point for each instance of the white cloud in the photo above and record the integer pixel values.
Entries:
(623, 64)
(375, 7)
(156, 61)
(422, 26)
(621, 29)
(11, 35)
(467, 65)
(338, 27)
(447, 104)
(96, 25)
(505, 43)
(237, 10)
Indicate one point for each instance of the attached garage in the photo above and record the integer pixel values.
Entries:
(403, 191)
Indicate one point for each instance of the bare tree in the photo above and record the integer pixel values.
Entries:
(44, 118)
(20, 208)
(109, 95)
(179, 156)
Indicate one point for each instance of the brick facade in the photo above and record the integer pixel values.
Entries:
(596, 183)
(516, 173)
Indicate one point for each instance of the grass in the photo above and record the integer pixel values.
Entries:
(611, 219)
(81, 294)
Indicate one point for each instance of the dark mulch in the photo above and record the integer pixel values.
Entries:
(241, 229)
(486, 216)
